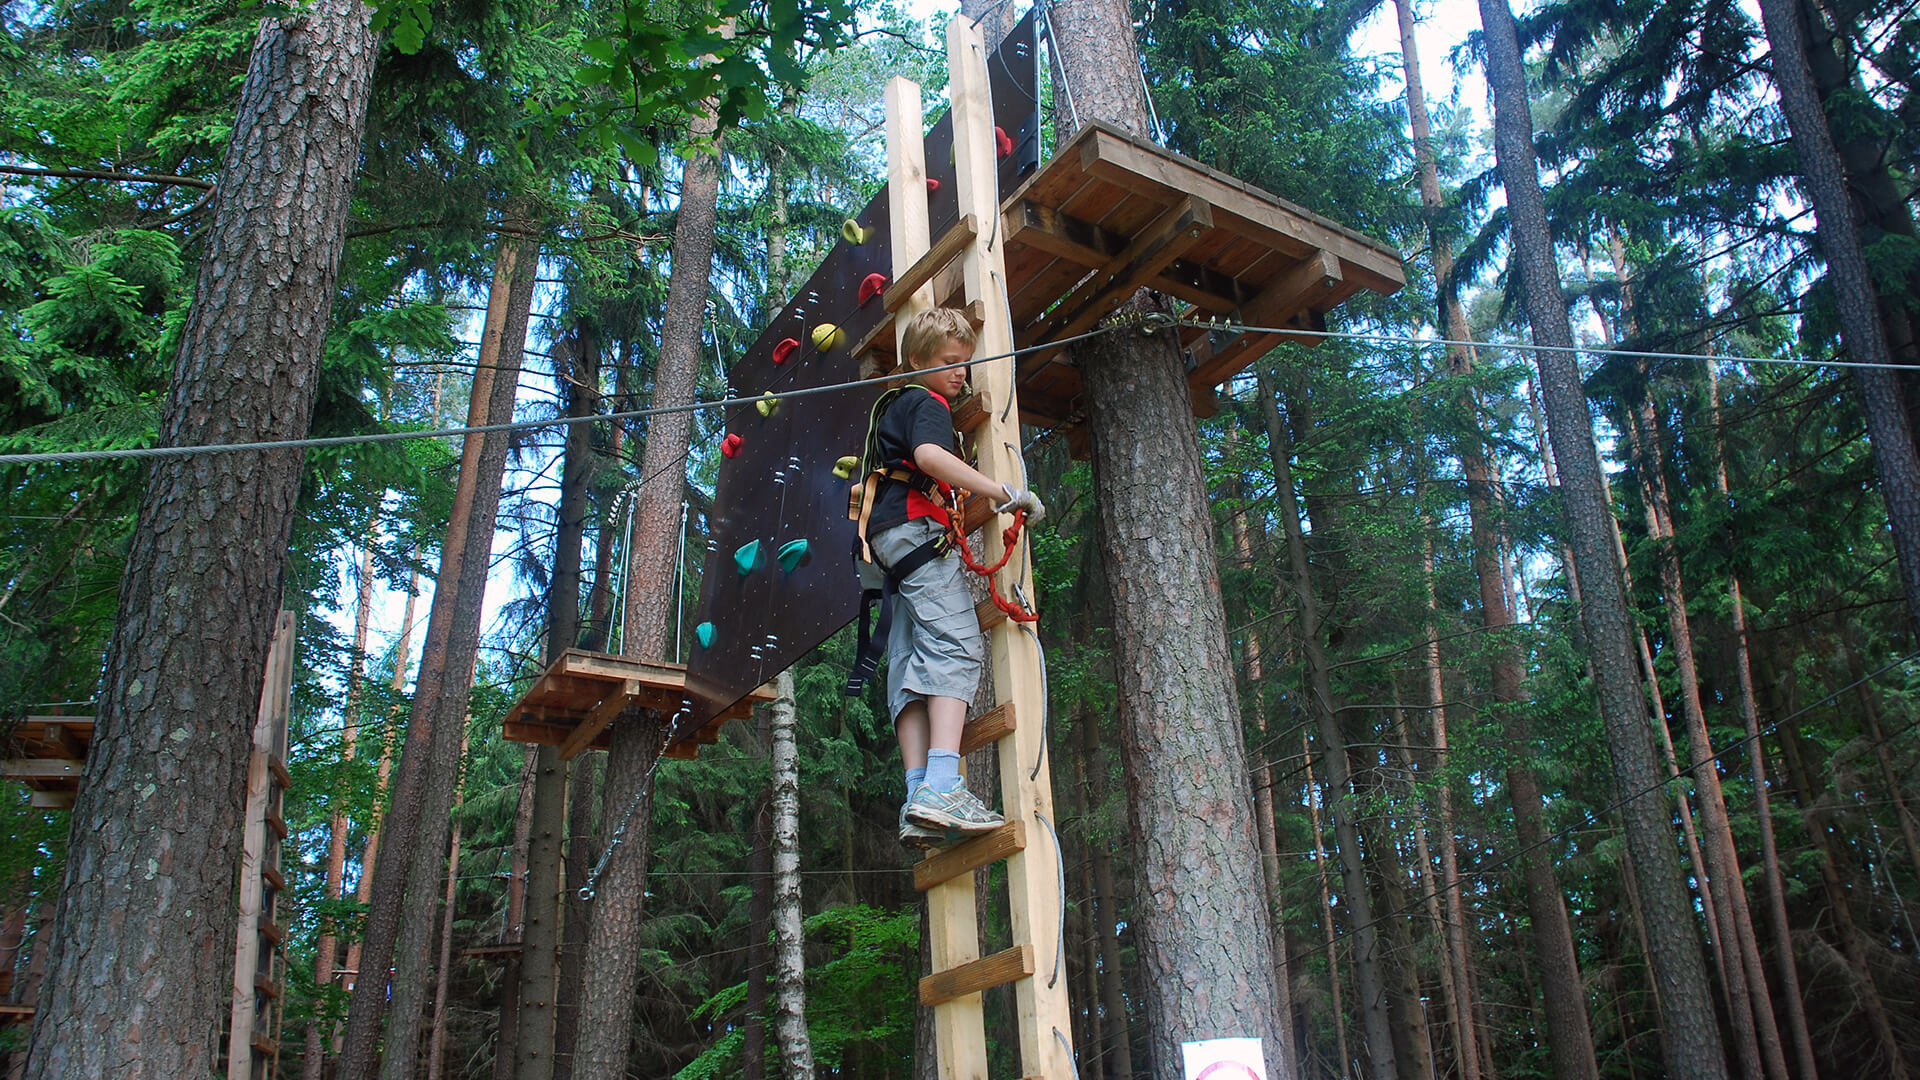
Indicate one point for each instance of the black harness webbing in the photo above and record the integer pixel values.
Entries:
(872, 634)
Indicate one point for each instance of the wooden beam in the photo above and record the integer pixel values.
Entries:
(943, 866)
(51, 800)
(42, 768)
(1148, 170)
(945, 250)
(1170, 236)
(62, 737)
(1283, 300)
(974, 976)
(1034, 225)
(989, 727)
(601, 716)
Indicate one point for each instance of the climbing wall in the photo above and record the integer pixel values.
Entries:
(779, 579)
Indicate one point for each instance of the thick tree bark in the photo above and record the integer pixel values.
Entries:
(1204, 909)
(606, 1005)
(326, 950)
(753, 1041)
(138, 980)
(1690, 1037)
(789, 959)
(1368, 968)
(1838, 233)
(400, 922)
(514, 916)
(582, 791)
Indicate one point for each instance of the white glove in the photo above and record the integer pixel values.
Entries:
(1022, 499)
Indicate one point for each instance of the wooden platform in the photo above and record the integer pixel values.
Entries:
(48, 754)
(1110, 214)
(574, 703)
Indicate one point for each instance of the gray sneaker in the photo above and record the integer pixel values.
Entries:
(918, 837)
(954, 811)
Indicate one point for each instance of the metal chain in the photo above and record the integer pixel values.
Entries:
(640, 795)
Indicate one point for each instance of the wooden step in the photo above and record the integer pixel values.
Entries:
(977, 975)
(272, 931)
(272, 876)
(987, 728)
(279, 770)
(943, 866)
(264, 985)
(277, 824)
(263, 1045)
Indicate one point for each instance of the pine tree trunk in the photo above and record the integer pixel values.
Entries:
(1690, 1038)
(1116, 1053)
(540, 940)
(582, 789)
(136, 987)
(605, 1019)
(369, 854)
(400, 922)
(1181, 740)
(437, 1034)
(326, 950)
(753, 1042)
(1757, 1037)
(789, 960)
(1368, 966)
(1838, 233)
(516, 914)
(1314, 802)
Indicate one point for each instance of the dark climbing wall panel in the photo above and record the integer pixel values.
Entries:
(758, 616)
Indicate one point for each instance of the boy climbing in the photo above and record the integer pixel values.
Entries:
(911, 474)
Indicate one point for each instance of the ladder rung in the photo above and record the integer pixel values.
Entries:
(987, 728)
(977, 975)
(943, 866)
(989, 614)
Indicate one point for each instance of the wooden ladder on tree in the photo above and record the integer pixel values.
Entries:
(253, 1043)
(1029, 841)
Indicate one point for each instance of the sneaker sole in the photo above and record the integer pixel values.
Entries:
(923, 839)
(933, 819)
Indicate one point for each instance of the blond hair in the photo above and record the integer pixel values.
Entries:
(932, 328)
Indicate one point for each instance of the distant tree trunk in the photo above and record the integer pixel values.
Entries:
(1399, 974)
(789, 961)
(606, 1007)
(1690, 1036)
(1778, 924)
(1749, 1004)
(437, 1035)
(400, 921)
(134, 987)
(326, 950)
(539, 942)
(1314, 801)
(515, 915)
(1838, 233)
(1341, 803)
(753, 1042)
(369, 854)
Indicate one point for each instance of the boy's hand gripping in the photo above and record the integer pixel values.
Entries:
(1022, 499)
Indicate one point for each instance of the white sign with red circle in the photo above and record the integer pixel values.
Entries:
(1224, 1059)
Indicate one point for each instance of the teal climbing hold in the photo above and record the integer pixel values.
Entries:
(704, 634)
(791, 553)
(746, 557)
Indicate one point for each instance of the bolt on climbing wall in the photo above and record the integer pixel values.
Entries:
(778, 572)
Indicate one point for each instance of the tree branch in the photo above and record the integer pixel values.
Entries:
(102, 174)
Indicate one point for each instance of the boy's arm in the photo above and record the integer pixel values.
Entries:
(944, 465)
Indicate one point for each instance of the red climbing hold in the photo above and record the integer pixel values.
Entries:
(784, 350)
(1002, 143)
(932, 185)
(873, 285)
(731, 445)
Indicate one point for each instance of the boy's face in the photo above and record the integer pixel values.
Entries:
(947, 384)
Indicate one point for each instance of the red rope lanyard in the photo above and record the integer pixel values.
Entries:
(1010, 539)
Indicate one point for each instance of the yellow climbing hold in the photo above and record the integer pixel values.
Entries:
(852, 233)
(767, 405)
(827, 337)
(845, 466)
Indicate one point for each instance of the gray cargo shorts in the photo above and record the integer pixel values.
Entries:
(935, 647)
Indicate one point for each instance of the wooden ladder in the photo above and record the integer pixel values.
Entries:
(1029, 841)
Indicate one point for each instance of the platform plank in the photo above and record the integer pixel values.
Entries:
(574, 703)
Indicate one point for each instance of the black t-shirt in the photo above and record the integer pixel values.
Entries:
(915, 418)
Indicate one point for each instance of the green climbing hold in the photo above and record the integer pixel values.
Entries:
(791, 553)
(845, 466)
(704, 634)
(852, 233)
(746, 557)
(767, 404)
